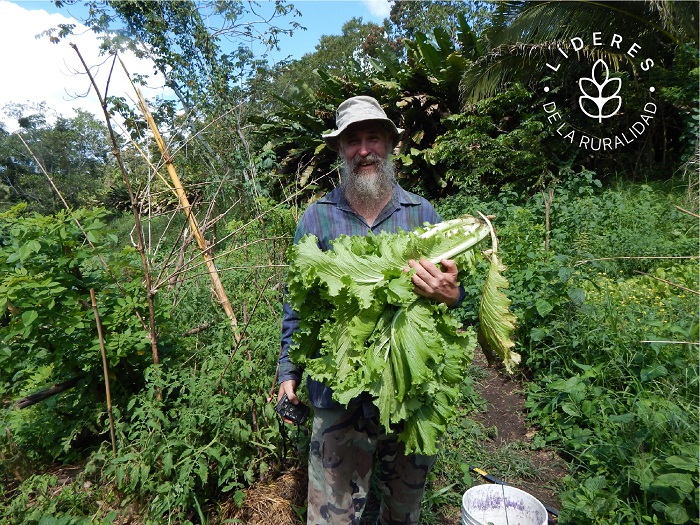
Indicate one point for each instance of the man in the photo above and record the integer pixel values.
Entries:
(345, 440)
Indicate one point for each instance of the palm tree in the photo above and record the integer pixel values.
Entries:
(526, 35)
(570, 37)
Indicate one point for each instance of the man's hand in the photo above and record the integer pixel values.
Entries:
(433, 283)
(289, 388)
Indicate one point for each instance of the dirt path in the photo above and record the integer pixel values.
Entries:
(505, 410)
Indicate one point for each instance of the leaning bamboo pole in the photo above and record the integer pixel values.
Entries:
(218, 288)
(140, 247)
(105, 369)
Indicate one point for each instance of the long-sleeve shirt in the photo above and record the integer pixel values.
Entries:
(328, 218)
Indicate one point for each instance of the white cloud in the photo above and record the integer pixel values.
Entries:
(379, 8)
(34, 70)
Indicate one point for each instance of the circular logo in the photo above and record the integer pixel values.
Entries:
(599, 99)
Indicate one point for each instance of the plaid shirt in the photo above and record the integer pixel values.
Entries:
(328, 218)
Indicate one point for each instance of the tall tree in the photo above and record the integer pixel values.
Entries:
(202, 49)
(410, 17)
(73, 151)
(185, 40)
(341, 55)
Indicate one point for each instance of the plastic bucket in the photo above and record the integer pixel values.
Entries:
(501, 505)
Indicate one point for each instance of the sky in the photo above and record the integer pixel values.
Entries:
(36, 71)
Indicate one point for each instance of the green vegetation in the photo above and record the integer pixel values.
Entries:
(612, 348)
(363, 329)
(600, 250)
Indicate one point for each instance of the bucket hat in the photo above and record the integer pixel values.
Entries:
(359, 109)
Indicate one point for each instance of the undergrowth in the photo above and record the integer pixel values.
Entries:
(607, 327)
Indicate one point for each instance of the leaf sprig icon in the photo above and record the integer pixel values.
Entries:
(595, 88)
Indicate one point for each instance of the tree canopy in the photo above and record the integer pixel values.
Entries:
(72, 152)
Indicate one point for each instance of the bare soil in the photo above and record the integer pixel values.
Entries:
(505, 400)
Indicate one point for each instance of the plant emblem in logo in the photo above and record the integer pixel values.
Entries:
(596, 88)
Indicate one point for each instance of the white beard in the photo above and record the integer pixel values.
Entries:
(369, 191)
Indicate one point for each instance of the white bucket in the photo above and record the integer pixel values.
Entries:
(501, 505)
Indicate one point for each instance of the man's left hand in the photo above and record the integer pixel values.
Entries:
(433, 283)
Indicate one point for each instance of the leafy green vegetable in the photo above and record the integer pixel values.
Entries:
(364, 330)
(497, 322)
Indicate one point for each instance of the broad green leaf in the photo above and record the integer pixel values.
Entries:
(572, 385)
(683, 462)
(543, 307)
(538, 334)
(497, 322)
(167, 463)
(363, 329)
(571, 409)
(652, 372)
(13, 257)
(414, 342)
(622, 418)
(681, 482)
(676, 513)
(29, 317)
(577, 296)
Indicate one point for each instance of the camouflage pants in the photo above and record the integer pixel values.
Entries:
(341, 461)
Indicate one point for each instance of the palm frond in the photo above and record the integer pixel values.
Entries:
(556, 20)
(526, 35)
(526, 63)
(679, 18)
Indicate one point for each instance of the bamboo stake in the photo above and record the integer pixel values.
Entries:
(547, 214)
(688, 212)
(105, 370)
(194, 226)
(579, 263)
(670, 283)
(150, 292)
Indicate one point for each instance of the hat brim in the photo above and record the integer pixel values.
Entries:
(331, 139)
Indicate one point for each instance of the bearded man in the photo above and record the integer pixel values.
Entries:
(346, 440)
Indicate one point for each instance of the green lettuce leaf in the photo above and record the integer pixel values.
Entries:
(497, 321)
(363, 329)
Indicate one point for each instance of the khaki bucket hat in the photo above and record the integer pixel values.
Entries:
(359, 109)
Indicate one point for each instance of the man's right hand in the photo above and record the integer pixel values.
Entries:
(290, 388)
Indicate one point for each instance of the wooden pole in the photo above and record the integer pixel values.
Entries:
(194, 226)
(150, 292)
(548, 198)
(37, 397)
(105, 371)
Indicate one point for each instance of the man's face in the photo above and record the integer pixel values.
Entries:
(368, 173)
(363, 145)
